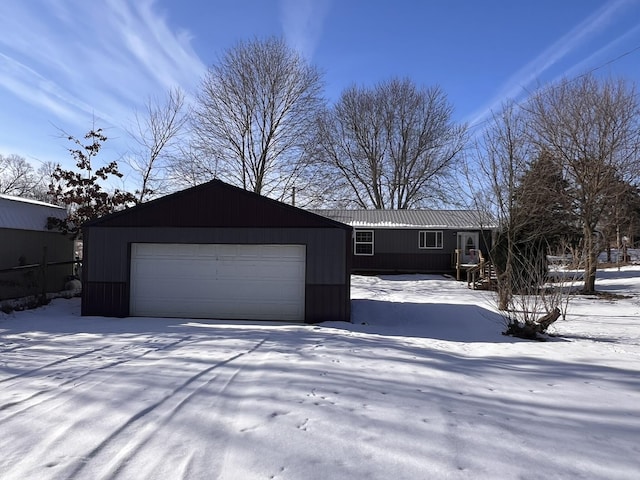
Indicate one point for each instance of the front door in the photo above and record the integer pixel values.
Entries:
(468, 246)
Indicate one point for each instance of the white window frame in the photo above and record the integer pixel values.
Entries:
(422, 239)
(356, 242)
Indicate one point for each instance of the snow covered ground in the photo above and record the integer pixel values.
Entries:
(421, 386)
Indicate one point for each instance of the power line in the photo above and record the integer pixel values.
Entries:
(577, 77)
(633, 50)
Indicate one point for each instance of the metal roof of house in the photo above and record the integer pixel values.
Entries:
(448, 219)
(26, 214)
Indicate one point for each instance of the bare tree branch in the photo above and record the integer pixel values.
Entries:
(17, 176)
(253, 116)
(394, 145)
(157, 132)
(592, 128)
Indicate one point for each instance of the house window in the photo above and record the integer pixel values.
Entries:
(363, 242)
(430, 239)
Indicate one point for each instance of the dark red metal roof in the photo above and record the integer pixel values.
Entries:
(215, 204)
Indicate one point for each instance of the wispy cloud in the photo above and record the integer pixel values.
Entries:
(74, 58)
(33, 88)
(530, 74)
(303, 22)
(594, 60)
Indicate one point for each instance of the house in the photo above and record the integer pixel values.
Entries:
(217, 251)
(414, 241)
(25, 240)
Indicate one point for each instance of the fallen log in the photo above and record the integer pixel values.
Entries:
(531, 330)
(546, 321)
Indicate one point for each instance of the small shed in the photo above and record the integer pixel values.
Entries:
(25, 240)
(415, 241)
(217, 251)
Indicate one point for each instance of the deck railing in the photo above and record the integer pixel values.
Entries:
(479, 275)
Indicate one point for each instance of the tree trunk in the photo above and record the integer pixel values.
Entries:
(505, 290)
(590, 278)
(591, 261)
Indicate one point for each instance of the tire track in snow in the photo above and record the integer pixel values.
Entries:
(61, 388)
(149, 431)
(53, 364)
(12, 346)
(125, 454)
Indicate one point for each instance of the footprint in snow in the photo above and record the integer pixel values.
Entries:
(277, 414)
(303, 425)
(282, 469)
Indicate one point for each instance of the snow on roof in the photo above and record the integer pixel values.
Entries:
(454, 219)
(26, 214)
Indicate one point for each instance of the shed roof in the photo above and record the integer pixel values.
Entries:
(215, 204)
(448, 219)
(25, 214)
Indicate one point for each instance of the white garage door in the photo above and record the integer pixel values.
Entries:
(255, 282)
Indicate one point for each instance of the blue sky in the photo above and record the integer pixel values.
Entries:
(65, 62)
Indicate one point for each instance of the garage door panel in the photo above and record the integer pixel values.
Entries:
(263, 294)
(236, 289)
(218, 281)
(175, 292)
(224, 311)
(250, 311)
(246, 272)
(148, 268)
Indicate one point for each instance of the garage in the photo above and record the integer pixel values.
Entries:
(251, 282)
(219, 252)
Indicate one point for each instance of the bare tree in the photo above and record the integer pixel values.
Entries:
(523, 189)
(17, 176)
(253, 115)
(503, 153)
(619, 220)
(189, 167)
(44, 176)
(394, 145)
(591, 127)
(157, 133)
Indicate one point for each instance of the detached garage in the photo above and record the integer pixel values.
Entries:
(217, 251)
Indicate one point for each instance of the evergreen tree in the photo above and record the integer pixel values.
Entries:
(540, 222)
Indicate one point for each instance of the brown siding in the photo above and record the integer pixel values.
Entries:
(105, 299)
(323, 303)
(403, 262)
(392, 240)
(485, 242)
(328, 265)
(107, 249)
(327, 303)
(396, 250)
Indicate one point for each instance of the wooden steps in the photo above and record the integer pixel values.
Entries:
(482, 276)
